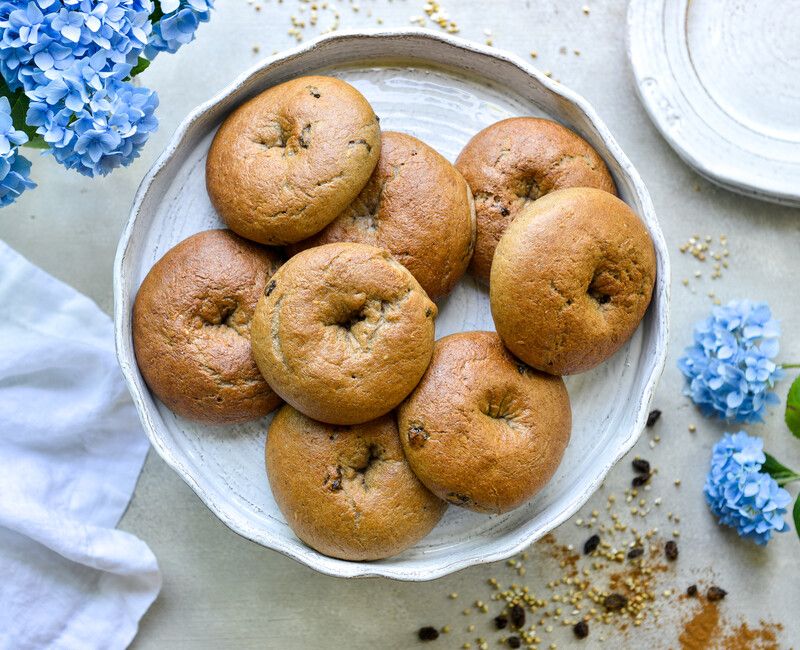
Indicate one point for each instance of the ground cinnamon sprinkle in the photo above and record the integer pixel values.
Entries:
(703, 632)
(702, 629)
(763, 637)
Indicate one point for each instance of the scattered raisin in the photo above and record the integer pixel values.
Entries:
(270, 287)
(652, 417)
(692, 591)
(671, 550)
(639, 481)
(517, 617)
(641, 465)
(514, 642)
(636, 551)
(504, 211)
(581, 629)
(500, 622)
(715, 593)
(428, 633)
(614, 602)
(591, 544)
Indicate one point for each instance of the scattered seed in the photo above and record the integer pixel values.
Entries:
(517, 616)
(581, 629)
(691, 591)
(428, 633)
(671, 550)
(715, 593)
(591, 544)
(614, 602)
(501, 622)
(652, 417)
(641, 465)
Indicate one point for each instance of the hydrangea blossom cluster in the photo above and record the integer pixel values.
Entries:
(730, 370)
(14, 169)
(178, 25)
(73, 59)
(740, 494)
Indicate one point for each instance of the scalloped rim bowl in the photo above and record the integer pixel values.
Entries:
(443, 90)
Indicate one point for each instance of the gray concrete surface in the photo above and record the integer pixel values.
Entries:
(221, 591)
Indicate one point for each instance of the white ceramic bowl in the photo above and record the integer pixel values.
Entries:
(442, 90)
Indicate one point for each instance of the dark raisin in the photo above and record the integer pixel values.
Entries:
(522, 368)
(270, 287)
(591, 544)
(671, 550)
(615, 602)
(504, 211)
(428, 312)
(517, 617)
(514, 642)
(636, 551)
(639, 481)
(692, 591)
(500, 622)
(428, 633)
(581, 629)
(715, 593)
(641, 465)
(417, 436)
(652, 417)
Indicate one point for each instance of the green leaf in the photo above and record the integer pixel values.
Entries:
(140, 67)
(158, 12)
(19, 103)
(778, 471)
(796, 516)
(792, 416)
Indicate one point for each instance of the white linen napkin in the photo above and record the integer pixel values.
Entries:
(71, 449)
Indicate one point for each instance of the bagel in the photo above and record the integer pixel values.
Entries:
(286, 163)
(343, 332)
(571, 280)
(191, 328)
(516, 161)
(347, 492)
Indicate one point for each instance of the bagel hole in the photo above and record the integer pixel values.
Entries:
(598, 289)
(498, 409)
(529, 190)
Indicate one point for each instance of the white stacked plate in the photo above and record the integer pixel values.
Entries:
(442, 90)
(721, 81)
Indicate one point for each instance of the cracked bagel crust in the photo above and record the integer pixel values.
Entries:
(417, 206)
(482, 430)
(286, 163)
(347, 491)
(191, 328)
(571, 280)
(516, 161)
(343, 332)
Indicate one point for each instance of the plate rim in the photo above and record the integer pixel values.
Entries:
(513, 542)
(701, 159)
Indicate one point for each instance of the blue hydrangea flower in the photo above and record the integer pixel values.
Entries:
(178, 25)
(39, 39)
(740, 494)
(729, 369)
(14, 169)
(107, 133)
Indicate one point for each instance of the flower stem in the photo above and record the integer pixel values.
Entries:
(790, 365)
(786, 480)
